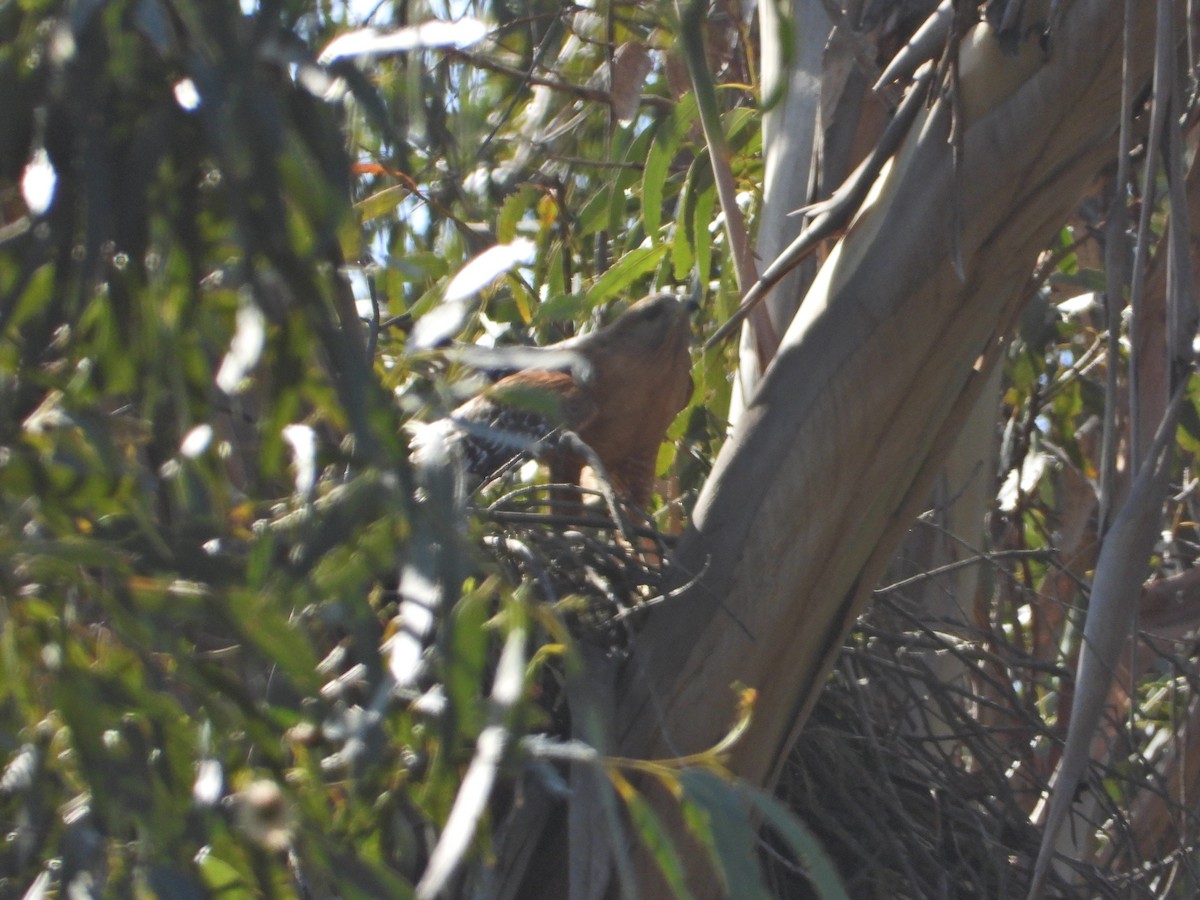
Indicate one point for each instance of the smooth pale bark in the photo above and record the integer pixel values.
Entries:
(812, 493)
(789, 137)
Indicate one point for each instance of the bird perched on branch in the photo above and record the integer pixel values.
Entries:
(630, 380)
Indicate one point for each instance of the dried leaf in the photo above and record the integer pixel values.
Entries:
(630, 66)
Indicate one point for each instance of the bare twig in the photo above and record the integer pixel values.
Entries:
(962, 564)
(691, 22)
(583, 92)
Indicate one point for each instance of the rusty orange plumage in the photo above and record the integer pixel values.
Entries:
(634, 379)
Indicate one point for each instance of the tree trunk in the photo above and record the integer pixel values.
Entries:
(793, 88)
(836, 452)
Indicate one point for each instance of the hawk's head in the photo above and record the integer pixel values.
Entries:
(659, 323)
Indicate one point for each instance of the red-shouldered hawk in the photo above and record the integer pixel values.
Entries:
(635, 379)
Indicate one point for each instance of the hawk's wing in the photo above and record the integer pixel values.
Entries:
(515, 419)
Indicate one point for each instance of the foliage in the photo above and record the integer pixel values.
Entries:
(241, 254)
(208, 507)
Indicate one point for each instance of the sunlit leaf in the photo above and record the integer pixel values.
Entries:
(1020, 482)
(382, 202)
(303, 441)
(514, 208)
(196, 441)
(488, 266)
(440, 324)
(219, 876)
(186, 94)
(245, 349)
(435, 33)
(38, 182)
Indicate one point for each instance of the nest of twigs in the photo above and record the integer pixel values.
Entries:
(603, 570)
(921, 787)
(917, 786)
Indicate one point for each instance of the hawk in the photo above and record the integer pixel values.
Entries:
(634, 378)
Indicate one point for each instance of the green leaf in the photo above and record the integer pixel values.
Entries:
(594, 214)
(420, 267)
(628, 269)
(364, 879)
(556, 276)
(702, 235)
(686, 112)
(220, 877)
(381, 202)
(35, 296)
(465, 660)
(263, 624)
(682, 253)
(719, 818)
(817, 865)
(513, 211)
(653, 835)
(1189, 417)
(562, 308)
(736, 120)
(654, 177)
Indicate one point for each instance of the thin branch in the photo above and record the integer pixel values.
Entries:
(1164, 60)
(1116, 258)
(691, 22)
(990, 558)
